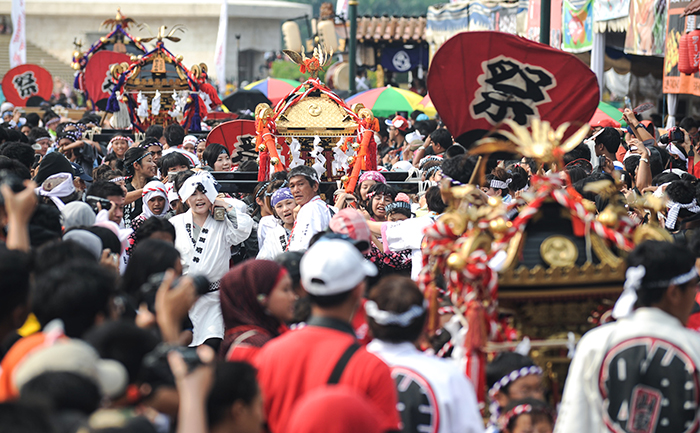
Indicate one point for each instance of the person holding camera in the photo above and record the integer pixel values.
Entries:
(105, 195)
(204, 236)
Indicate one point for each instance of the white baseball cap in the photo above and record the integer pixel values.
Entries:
(333, 266)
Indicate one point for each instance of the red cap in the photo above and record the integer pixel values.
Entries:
(399, 122)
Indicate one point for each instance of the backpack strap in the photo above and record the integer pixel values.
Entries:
(342, 363)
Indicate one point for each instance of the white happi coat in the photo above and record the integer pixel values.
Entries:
(313, 217)
(276, 241)
(407, 234)
(450, 402)
(646, 365)
(266, 224)
(209, 255)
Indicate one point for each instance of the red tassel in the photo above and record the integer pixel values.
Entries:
(371, 158)
(264, 166)
(213, 94)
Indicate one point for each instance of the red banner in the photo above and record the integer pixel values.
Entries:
(98, 82)
(25, 81)
(238, 136)
(478, 79)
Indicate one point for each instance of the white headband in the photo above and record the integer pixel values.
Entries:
(385, 318)
(154, 189)
(190, 186)
(674, 208)
(499, 184)
(633, 282)
(64, 189)
(513, 376)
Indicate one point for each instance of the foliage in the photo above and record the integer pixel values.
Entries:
(381, 7)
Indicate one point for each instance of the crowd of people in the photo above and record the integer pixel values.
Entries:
(135, 296)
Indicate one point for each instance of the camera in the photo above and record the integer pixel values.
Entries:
(10, 179)
(151, 286)
(219, 213)
(675, 135)
(93, 200)
(155, 369)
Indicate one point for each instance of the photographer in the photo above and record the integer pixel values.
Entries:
(691, 149)
(640, 132)
(104, 195)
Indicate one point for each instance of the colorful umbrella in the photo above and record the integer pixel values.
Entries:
(607, 115)
(274, 88)
(426, 105)
(386, 101)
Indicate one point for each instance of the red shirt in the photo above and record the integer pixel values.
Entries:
(301, 360)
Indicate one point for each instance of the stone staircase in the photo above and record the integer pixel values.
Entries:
(37, 56)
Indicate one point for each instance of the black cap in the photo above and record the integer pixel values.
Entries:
(51, 164)
(79, 172)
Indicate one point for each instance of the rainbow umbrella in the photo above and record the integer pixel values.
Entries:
(605, 113)
(274, 88)
(386, 101)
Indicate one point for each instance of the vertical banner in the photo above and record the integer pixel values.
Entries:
(220, 53)
(341, 9)
(646, 34)
(18, 43)
(577, 27)
(555, 24)
(533, 20)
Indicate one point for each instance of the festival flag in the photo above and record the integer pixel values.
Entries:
(238, 136)
(98, 79)
(22, 82)
(479, 79)
(18, 43)
(220, 53)
(577, 27)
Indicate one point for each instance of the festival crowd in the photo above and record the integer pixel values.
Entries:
(134, 296)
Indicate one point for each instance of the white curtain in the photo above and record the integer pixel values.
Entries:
(598, 59)
(671, 102)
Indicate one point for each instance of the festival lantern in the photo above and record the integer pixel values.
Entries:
(315, 127)
(685, 65)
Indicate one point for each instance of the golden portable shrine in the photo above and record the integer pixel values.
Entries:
(158, 89)
(313, 126)
(546, 259)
